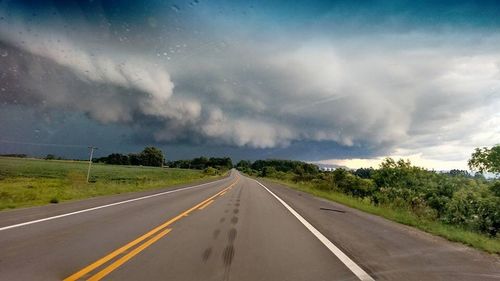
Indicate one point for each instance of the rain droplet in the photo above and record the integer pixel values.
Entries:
(175, 8)
(4, 54)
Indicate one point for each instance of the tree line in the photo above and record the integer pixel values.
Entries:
(201, 163)
(150, 156)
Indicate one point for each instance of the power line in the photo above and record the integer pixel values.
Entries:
(44, 144)
(79, 146)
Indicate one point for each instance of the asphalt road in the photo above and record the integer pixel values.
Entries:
(232, 229)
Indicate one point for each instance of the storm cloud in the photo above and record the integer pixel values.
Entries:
(432, 92)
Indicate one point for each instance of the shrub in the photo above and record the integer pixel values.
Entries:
(210, 171)
(474, 209)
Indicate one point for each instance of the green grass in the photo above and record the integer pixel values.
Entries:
(32, 182)
(452, 233)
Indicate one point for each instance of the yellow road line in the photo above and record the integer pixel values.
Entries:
(223, 193)
(206, 204)
(128, 256)
(124, 248)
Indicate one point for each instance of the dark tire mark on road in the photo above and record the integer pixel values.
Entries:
(216, 233)
(332, 210)
(236, 210)
(228, 255)
(234, 220)
(206, 254)
(231, 236)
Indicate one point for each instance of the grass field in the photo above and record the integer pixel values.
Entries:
(32, 182)
(452, 233)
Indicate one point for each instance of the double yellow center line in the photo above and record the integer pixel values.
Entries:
(155, 234)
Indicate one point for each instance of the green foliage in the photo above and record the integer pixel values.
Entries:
(150, 156)
(116, 159)
(201, 163)
(476, 209)
(455, 198)
(210, 171)
(244, 165)
(50, 157)
(286, 166)
(364, 173)
(486, 160)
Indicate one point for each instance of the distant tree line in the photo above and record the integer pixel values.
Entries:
(202, 163)
(150, 156)
(14, 155)
(273, 167)
(455, 197)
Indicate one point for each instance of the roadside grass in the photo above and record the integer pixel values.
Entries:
(403, 216)
(33, 182)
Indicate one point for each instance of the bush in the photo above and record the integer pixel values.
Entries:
(474, 209)
(210, 171)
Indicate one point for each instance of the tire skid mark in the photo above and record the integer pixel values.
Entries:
(228, 255)
(206, 254)
(216, 233)
(231, 236)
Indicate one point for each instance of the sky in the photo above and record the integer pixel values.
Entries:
(335, 82)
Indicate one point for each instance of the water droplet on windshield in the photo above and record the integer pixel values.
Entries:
(4, 54)
(175, 8)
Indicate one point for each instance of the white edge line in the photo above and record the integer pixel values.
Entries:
(356, 269)
(104, 206)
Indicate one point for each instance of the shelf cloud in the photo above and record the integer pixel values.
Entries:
(433, 92)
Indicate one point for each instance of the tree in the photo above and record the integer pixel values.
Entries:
(243, 165)
(117, 159)
(486, 160)
(199, 163)
(364, 173)
(151, 156)
(134, 159)
(50, 157)
(458, 173)
(220, 163)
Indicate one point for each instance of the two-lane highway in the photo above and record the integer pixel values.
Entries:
(231, 229)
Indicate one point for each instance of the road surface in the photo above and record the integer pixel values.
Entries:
(231, 229)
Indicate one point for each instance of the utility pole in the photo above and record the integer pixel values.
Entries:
(92, 148)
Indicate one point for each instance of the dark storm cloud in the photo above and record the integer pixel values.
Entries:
(207, 76)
